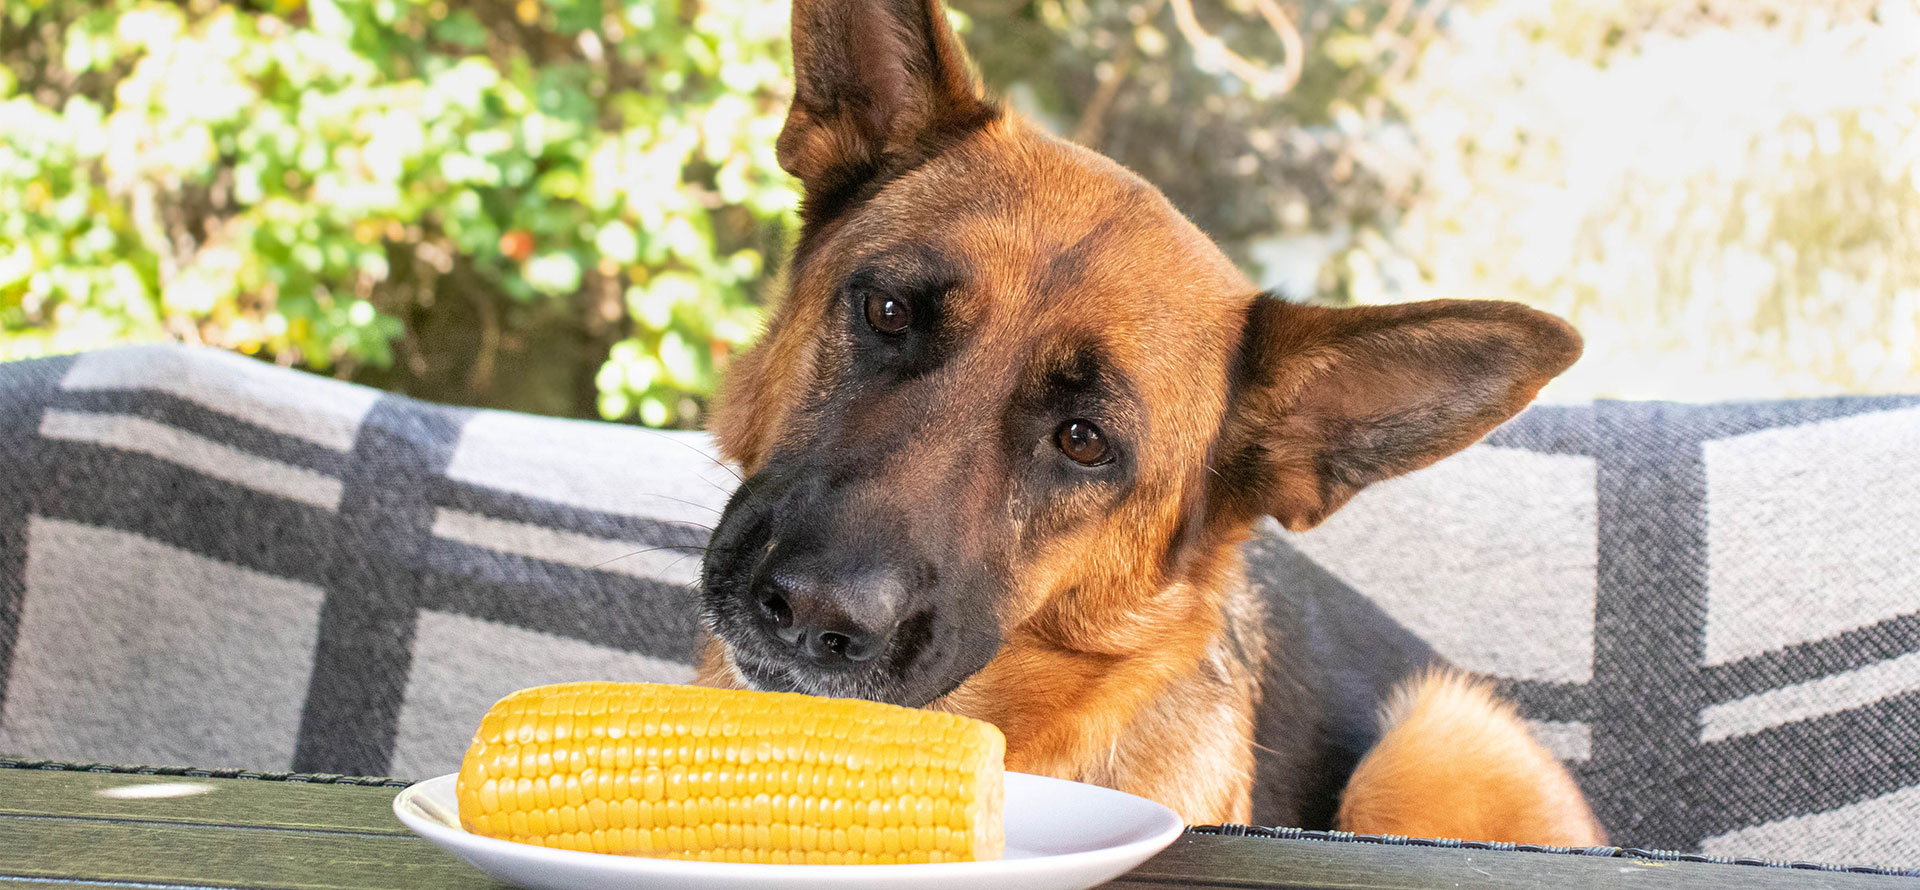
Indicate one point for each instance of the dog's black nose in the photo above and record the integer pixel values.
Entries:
(828, 623)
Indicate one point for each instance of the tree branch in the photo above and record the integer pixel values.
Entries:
(1259, 76)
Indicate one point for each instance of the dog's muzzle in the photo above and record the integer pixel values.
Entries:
(811, 590)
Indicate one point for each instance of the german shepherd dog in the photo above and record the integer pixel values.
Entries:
(1005, 434)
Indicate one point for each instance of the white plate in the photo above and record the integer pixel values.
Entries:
(1060, 836)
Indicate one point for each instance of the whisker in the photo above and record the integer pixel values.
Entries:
(716, 461)
(652, 550)
(667, 497)
(674, 563)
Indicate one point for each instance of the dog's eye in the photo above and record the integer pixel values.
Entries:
(1083, 442)
(888, 315)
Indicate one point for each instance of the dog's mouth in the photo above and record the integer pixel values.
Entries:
(913, 670)
(757, 671)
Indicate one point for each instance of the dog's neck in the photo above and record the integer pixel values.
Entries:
(1116, 707)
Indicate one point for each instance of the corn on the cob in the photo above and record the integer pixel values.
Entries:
(721, 775)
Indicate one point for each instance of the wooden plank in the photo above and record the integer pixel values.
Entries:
(1260, 863)
(56, 828)
(58, 849)
(210, 856)
(80, 795)
(16, 883)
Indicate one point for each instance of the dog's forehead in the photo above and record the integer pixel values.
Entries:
(1012, 195)
(1052, 242)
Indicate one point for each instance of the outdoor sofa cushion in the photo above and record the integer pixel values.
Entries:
(1711, 612)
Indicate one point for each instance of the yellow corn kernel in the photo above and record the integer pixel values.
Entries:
(684, 772)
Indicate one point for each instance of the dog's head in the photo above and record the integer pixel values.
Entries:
(1012, 392)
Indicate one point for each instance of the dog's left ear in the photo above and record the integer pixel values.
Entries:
(877, 84)
(1328, 401)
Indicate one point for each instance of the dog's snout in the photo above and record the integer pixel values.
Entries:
(829, 623)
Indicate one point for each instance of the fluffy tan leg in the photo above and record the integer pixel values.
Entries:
(1456, 762)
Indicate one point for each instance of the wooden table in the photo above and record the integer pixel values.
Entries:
(67, 830)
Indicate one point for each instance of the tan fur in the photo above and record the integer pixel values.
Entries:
(1099, 634)
(1117, 664)
(1457, 762)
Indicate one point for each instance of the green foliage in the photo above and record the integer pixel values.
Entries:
(308, 180)
(571, 206)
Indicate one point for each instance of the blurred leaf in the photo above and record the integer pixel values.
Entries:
(461, 29)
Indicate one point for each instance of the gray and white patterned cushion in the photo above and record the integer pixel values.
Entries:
(1711, 612)
(208, 560)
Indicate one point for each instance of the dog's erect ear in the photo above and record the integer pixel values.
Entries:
(877, 83)
(1328, 401)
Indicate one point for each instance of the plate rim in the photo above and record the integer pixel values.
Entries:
(421, 823)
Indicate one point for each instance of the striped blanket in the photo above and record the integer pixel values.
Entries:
(1711, 612)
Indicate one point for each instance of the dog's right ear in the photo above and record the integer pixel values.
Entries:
(878, 86)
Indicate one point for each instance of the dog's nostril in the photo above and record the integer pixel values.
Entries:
(828, 647)
(774, 608)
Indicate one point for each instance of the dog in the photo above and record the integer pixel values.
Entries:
(1003, 439)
